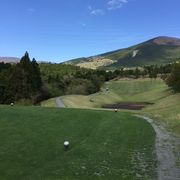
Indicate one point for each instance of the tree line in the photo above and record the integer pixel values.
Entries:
(30, 82)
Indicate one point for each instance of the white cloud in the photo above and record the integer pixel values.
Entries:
(96, 12)
(111, 5)
(116, 4)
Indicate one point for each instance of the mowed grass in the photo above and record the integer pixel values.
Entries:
(165, 108)
(103, 144)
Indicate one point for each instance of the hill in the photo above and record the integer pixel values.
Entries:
(9, 59)
(160, 50)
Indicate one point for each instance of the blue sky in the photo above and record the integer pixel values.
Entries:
(58, 30)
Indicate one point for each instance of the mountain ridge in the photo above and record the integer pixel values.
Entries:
(158, 50)
(9, 59)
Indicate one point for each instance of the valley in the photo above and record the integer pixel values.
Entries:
(163, 104)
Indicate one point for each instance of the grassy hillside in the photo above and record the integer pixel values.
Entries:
(166, 105)
(160, 50)
(103, 145)
(147, 54)
(142, 90)
(167, 110)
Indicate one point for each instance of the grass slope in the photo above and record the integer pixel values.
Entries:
(167, 110)
(166, 104)
(104, 145)
(123, 90)
(49, 103)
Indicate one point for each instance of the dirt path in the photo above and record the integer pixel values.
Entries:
(166, 145)
(59, 102)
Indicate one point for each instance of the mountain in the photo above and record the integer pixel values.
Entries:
(9, 59)
(159, 50)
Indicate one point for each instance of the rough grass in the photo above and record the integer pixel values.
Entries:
(103, 145)
(167, 111)
(49, 103)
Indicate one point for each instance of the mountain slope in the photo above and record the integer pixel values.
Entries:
(9, 59)
(160, 50)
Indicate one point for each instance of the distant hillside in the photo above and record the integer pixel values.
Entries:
(15, 60)
(9, 59)
(160, 50)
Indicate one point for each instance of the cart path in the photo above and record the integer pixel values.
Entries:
(59, 102)
(166, 147)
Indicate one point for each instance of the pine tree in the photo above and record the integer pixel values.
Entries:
(25, 81)
(36, 76)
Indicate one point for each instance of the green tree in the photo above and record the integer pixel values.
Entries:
(173, 80)
(24, 81)
(36, 76)
(137, 73)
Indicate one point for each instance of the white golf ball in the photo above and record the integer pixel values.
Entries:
(66, 143)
